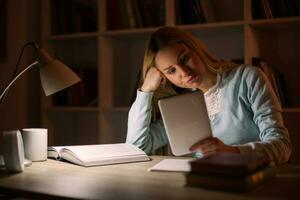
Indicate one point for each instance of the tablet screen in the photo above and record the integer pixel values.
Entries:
(186, 120)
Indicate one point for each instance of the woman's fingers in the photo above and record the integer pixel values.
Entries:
(209, 153)
(213, 145)
(202, 144)
(152, 80)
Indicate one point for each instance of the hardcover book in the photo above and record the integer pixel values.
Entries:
(227, 164)
(243, 183)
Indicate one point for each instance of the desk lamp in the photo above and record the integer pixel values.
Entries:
(55, 76)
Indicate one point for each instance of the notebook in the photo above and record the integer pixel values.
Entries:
(186, 120)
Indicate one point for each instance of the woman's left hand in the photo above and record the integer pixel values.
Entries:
(211, 146)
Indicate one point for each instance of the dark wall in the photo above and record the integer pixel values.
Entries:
(21, 107)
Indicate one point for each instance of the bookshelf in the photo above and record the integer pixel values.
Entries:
(115, 52)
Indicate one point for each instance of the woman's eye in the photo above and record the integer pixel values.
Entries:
(171, 70)
(184, 59)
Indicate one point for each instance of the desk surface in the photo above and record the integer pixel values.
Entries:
(53, 180)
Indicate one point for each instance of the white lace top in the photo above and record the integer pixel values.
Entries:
(213, 99)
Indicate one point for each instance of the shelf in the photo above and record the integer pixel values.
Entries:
(214, 25)
(116, 109)
(141, 31)
(72, 109)
(285, 22)
(128, 32)
(291, 110)
(73, 36)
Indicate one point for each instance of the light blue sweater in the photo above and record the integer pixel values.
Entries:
(249, 118)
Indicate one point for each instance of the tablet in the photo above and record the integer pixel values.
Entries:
(186, 120)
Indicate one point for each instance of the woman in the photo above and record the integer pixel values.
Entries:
(244, 112)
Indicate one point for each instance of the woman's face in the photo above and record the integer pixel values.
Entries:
(182, 66)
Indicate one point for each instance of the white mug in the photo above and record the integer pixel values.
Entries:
(35, 143)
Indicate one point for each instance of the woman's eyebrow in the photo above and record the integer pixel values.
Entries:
(178, 59)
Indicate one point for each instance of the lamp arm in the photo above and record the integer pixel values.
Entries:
(35, 47)
(14, 79)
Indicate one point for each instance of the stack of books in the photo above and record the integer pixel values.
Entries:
(232, 172)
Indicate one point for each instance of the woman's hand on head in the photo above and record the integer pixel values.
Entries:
(152, 80)
(211, 146)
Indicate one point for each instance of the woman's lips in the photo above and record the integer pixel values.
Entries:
(192, 79)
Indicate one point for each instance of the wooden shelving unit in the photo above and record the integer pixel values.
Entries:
(117, 55)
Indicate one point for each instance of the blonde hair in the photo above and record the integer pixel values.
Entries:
(166, 36)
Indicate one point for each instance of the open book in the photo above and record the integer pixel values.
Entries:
(101, 154)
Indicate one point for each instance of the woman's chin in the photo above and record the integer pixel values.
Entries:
(192, 86)
(195, 84)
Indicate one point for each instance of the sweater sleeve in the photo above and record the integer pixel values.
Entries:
(140, 131)
(274, 138)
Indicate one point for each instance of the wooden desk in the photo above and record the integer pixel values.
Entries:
(58, 180)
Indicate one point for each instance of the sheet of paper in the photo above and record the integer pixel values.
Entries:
(172, 165)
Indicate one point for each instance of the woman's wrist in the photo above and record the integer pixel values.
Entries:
(146, 89)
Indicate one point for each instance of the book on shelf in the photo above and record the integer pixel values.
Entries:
(240, 183)
(135, 14)
(80, 94)
(275, 8)
(114, 21)
(99, 154)
(227, 164)
(130, 13)
(73, 16)
(189, 12)
(275, 78)
(267, 9)
(282, 89)
(293, 7)
(278, 8)
(150, 12)
(258, 9)
(124, 14)
(209, 11)
(269, 73)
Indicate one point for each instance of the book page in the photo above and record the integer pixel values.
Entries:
(54, 151)
(173, 165)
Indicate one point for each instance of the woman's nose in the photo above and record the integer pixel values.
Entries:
(185, 70)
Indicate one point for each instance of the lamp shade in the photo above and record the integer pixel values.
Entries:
(56, 76)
